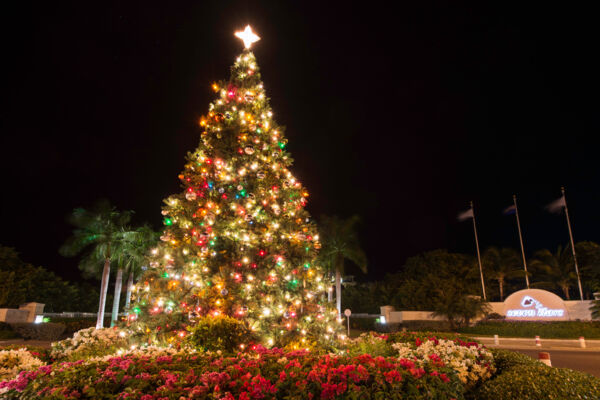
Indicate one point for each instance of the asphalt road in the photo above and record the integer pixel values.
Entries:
(564, 353)
(585, 361)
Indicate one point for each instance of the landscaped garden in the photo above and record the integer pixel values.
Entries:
(101, 364)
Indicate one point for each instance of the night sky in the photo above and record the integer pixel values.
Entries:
(401, 116)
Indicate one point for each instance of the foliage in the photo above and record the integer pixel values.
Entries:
(471, 362)
(40, 352)
(506, 359)
(90, 342)
(264, 374)
(6, 332)
(100, 235)
(220, 333)
(550, 330)
(340, 243)
(502, 264)
(370, 343)
(595, 309)
(21, 282)
(537, 381)
(45, 331)
(415, 337)
(73, 325)
(557, 270)
(16, 360)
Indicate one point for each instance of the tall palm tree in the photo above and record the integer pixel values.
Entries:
(557, 269)
(340, 242)
(142, 240)
(130, 256)
(502, 264)
(98, 232)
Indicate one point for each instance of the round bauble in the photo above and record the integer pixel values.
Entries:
(224, 292)
(190, 196)
(249, 150)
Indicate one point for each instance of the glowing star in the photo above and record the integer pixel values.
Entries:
(247, 36)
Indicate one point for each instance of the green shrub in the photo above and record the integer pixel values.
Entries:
(550, 330)
(537, 381)
(220, 333)
(363, 324)
(73, 325)
(416, 325)
(409, 337)
(506, 359)
(370, 343)
(43, 331)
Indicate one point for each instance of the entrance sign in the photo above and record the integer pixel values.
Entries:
(535, 305)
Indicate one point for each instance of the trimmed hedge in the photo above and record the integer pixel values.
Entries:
(520, 377)
(45, 331)
(549, 330)
(537, 381)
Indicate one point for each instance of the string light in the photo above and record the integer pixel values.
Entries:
(238, 240)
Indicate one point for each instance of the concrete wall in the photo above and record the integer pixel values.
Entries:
(12, 315)
(576, 309)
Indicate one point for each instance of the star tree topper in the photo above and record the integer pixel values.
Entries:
(247, 36)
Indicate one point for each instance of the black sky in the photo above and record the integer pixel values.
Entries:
(399, 115)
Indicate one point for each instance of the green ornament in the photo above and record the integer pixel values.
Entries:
(168, 221)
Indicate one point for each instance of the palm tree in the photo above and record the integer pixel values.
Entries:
(98, 233)
(502, 264)
(130, 256)
(142, 240)
(557, 268)
(340, 242)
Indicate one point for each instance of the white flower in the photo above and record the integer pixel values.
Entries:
(14, 361)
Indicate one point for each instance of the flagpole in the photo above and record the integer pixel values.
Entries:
(478, 255)
(521, 240)
(562, 189)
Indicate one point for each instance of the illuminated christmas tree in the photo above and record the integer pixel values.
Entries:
(237, 240)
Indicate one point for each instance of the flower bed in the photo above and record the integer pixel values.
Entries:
(261, 374)
(89, 342)
(14, 361)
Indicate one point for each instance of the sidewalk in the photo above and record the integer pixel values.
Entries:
(546, 344)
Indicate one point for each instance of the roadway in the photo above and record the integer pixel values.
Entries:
(564, 353)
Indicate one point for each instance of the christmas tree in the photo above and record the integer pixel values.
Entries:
(237, 241)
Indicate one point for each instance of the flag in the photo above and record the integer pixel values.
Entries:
(557, 205)
(465, 215)
(510, 210)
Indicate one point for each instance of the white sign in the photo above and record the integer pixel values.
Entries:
(347, 312)
(533, 308)
(535, 305)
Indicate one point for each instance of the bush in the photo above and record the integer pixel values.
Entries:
(506, 359)
(363, 324)
(549, 330)
(90, 342)
(471, 362)
(264, 374)
(370, 343)
(43, 331)
(416, 325)
(6, 332)
(37, 351)
(14, 361)
(537, 381)
(220, 333)
(73, 325)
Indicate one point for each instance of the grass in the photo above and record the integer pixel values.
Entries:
(548, 330)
